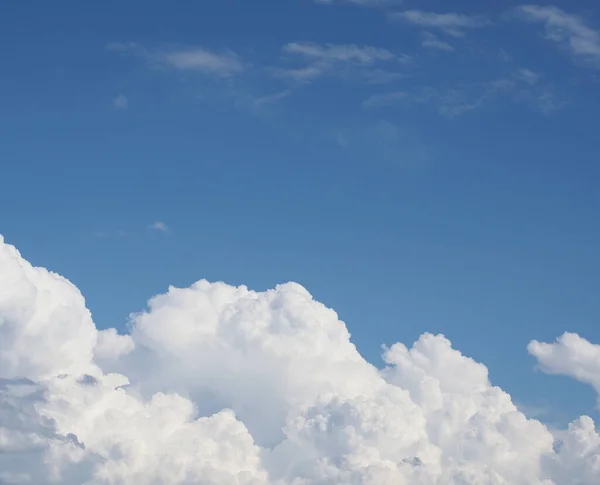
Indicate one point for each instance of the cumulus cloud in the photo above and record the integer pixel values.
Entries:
(571, 355)
(453, 24)
(216, 384)
(568, 30)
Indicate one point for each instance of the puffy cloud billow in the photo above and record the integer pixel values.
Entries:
(222, 385)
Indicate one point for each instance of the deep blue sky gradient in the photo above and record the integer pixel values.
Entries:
(483, 226)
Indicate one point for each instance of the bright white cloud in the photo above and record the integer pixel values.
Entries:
(187, 58)
(339, 60)
(567, 30)
(451, 23)
(222, 385)
(571, 355)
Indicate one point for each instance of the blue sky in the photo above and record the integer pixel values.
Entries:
(428, 166)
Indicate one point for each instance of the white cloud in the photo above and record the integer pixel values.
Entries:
(222, 385)
(387, 99)
(338, 60)
(571, 355)
(451, 23)
(159, 226)
(187, 58)
(365, 55)
(430, 41)
(527, 75)
(120, 102)
(567, 30)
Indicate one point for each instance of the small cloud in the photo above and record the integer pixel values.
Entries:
(381, 100)
(187, 58)
(120, 102)
(527, 75)
(567, 30)
(258, 103)
(452, 24)
(343, 53)
(338, 59)
(159, 226)
(430, 41)
(504, 56)
(548, 103)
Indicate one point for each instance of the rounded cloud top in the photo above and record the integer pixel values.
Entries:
(216, 384)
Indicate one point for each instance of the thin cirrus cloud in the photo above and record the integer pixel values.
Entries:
(453, 102)
(567, 30)
(186, 58)
(338, 59)
(222, 385)
(453, 24)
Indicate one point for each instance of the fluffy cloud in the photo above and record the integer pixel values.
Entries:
(571, 356)
(217, 384)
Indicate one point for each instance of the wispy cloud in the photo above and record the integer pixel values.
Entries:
(431, 41)
(362, 3)
(186, 58)
(568, 30)
(259, 103)
(159, 226)
(383, 142)
(455, 101)
(346, 53)
(120, 102)
(547, 102)
(504, 56)
(527, 75)
(338, 59)
(453, 24)
(388, 99)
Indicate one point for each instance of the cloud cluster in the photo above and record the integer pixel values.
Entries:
(568, 30)
(216, 384)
